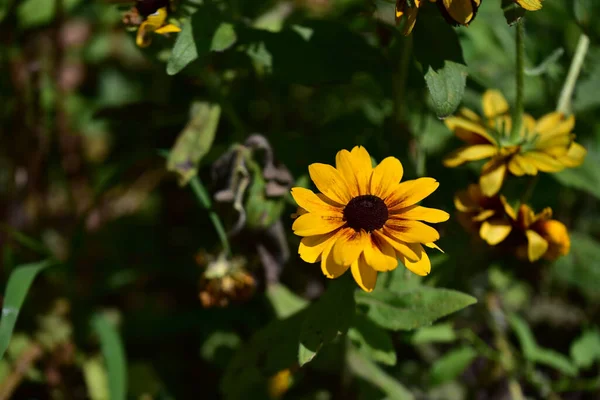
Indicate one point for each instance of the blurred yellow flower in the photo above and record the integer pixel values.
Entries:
(280, 383)
(530, 5)
(154, 23)
(474, 207)
(456, 12)
(546, 145)
(534, 235)
(365, 219)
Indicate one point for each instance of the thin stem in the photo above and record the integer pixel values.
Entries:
(520, 80)
(566, 94)
(204, 199)
(401, 78)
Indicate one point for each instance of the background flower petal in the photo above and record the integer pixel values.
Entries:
(495, 231)
(536, 245)
(494, 104)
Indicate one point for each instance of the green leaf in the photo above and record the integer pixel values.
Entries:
(537, 354)
(114, 355)
(584, 177)
(195, 40)
(18, 285)
(33, 13)
(369, 371)
(451, 365)
(372, 341)
(194, 142)
(412, 308)
(586, 349)
(224, 37)
(326, 318)
(4, 7)
(440, 333)
(442, 63)
(284, 301)
(580, 266)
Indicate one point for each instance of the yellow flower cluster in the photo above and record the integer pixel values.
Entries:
(545, 145)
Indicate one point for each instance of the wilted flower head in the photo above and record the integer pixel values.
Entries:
(151, 16)
(545, 145)
(456, 12)
(365, 219)
(225, 281)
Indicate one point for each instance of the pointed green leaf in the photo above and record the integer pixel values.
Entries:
(413, 308)
(440, 333)
(451, 365)
(586, 349)
(113, 354)
(18, 285)
(224, 37)
(372, 341)
(284, 301)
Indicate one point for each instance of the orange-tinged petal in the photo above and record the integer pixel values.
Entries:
(329, 267)
(495, 231)
(494, 104)
(432, 215)
(385, 177)
(311, 247)
(314, 204)
(461, 11)
(365, 276)
(380, 255)
(399, 246)
(330, 182)
(422, 266)
(536, 245)
(411, 192)
(542, 161)
(349, 246)
(411, 231)
(492, 177)
(313, 224)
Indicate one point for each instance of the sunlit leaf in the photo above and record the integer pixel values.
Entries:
(224, 37)
(114, 355)
(284, 301)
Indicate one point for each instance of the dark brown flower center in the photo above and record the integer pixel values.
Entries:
(147, 7)
(366, 212)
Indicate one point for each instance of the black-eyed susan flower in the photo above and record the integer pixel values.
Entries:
(545, 145)
(532, 236)
(474, 207)
(155, 14)
(530, 5)
(365, 219)
(456, 12)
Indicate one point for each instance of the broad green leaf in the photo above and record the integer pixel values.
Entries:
(18, 285)
(195, 39)
(224, 37)
(580, 267)
(284, 301)
(329, 316)
(537, 354)
(412, 308)
(452, 364)
(584, 177)
(372, 341)
(440, 333)
(194, 141)
(440, 55)
(586, 349)
(113, 354)
(369, 371)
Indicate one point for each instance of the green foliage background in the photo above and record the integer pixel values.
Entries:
(99, 233)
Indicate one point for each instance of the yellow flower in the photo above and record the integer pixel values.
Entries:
(365, 219)
(546, 145)
(456, 12)
(280, 383)
(154, 23)
(474, 207)
(531, 5)
(534, 235)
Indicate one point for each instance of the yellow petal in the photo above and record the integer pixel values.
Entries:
(314, 204)
(518, 166)
(531, 5)
(422, 266)
(461, 11)
(313, 224)
(574, 157)
(536, 245)
(385, 177)
(380, 255)
(349, 245)
(411, 231)
(330, 182)
(400, 247)
(411, 192)
(494, 104)
(470, 153)
(329, 267)
(410, 19)
(469, 114)
(492, 177)
(469, 131)
(365, 276)
(312, 247)
(433, 246)
(432, 215)
(483, 215)
(554, 124)
(495, 231)
(356, 168)
(169, 28)
(508, 208)
(542, 161)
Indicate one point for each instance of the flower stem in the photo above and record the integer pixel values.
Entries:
(204, 199)
(520, 80)
(566, 94)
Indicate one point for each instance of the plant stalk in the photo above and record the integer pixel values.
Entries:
(520, 80)
(566, 94)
